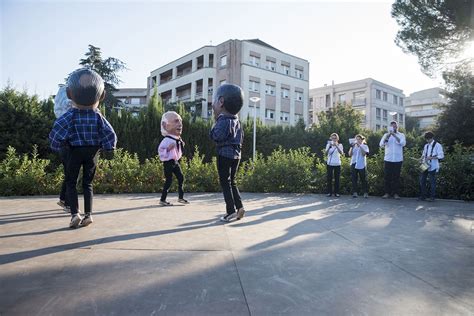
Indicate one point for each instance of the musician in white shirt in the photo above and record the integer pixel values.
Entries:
(393, 142)
(333, 150)
(358, 153)
(432, 153)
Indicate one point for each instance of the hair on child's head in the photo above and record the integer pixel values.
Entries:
(85, 87)
(429, 135)
(233, 97)
(165, 119)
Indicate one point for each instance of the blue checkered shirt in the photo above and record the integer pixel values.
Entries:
(80, 128)
(228, 135)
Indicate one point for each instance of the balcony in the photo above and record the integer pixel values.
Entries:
(359, 102)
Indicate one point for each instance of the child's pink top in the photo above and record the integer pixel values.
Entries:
(174, 153)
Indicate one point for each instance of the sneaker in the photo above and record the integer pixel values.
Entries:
(386, 196)
(329, 195)
(366, 195)
(62, 203)
(67, 209)
(431, 200)
(337, 195)
(227, 218)
(183, 201)
(396, 197)
(87, 220)
(355, 195)
(75, 221)
(165, 203)
(240, 213)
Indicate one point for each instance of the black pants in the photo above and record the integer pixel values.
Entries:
(85, 157)
(227, 169)
(392, 176)
(361, 173)
(336, 170)
(170, 167)
(64, 155)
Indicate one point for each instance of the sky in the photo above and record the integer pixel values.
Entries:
(42, 41)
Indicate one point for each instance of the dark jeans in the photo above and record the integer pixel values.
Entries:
(336, 170)
(170, 167)
(361, 173)
(85, 157)
(64, 155)
(227, 169)
(392, 176)
(423, 177)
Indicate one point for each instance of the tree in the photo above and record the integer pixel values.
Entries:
(456, 123)
(108, 69)
(412, 123)
(436, 31)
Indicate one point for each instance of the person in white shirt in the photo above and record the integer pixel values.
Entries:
(432, 153)
(334, 151)
(393, 142)
(358, 153)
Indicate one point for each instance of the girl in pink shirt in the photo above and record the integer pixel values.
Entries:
(171, 151)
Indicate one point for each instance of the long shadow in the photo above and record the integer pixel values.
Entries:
(3, 222)
(23, 255)
(32, 212)
(44, 232)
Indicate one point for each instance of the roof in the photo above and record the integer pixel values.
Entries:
(260, 42)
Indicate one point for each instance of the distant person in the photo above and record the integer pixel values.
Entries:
(85, 131)
(432, 153)
(62, 104)
(333, 150)
(171, 151)
(228, 135)
(393, 141)
(358, 153)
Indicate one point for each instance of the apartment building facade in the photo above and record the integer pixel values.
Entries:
(280, 80)
(425, 105)
(132, 98)
(379, 103)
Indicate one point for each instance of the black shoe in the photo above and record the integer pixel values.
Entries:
(337, 195)
(227, 218)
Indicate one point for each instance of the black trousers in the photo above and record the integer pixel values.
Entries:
(227, 169)
(336, 171)
(85, 157)
(358, 173)
(392, 176)
(170, 167)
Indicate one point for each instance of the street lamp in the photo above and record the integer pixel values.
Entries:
(393, 114)
(254, 100)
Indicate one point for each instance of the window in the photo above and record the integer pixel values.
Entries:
(378, 115)
(254, 86)
(378, 94)
(299, 96)
(299, 73)
(285, 116)
(286, 70)
(270, 114)
(285, 93)
(255, 61)
(342, 98)
(401, 102)
(135, 101)
(223, 61)
(377, 127)
(385, 96)
(269, 89)
(271, 65)
(385, 115)
(395, 99)
(222, 82)
(360, 95)
(400, 118)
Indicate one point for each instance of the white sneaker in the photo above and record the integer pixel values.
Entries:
(87, 220)
(165, 203)
(75, 221)
(227, 218)
(240, 213)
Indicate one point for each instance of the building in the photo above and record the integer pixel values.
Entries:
(380, 103)
(425, 105)
(280, 80)
(131, 98)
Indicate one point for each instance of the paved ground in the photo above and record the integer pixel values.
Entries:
(292, 254)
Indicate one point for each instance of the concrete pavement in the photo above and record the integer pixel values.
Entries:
(292, 254)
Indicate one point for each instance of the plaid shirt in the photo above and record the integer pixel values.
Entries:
(228, 136)
(80, 128)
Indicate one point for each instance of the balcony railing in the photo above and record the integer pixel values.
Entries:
(359, 102)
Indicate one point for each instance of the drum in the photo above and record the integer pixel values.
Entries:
(423, 166)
